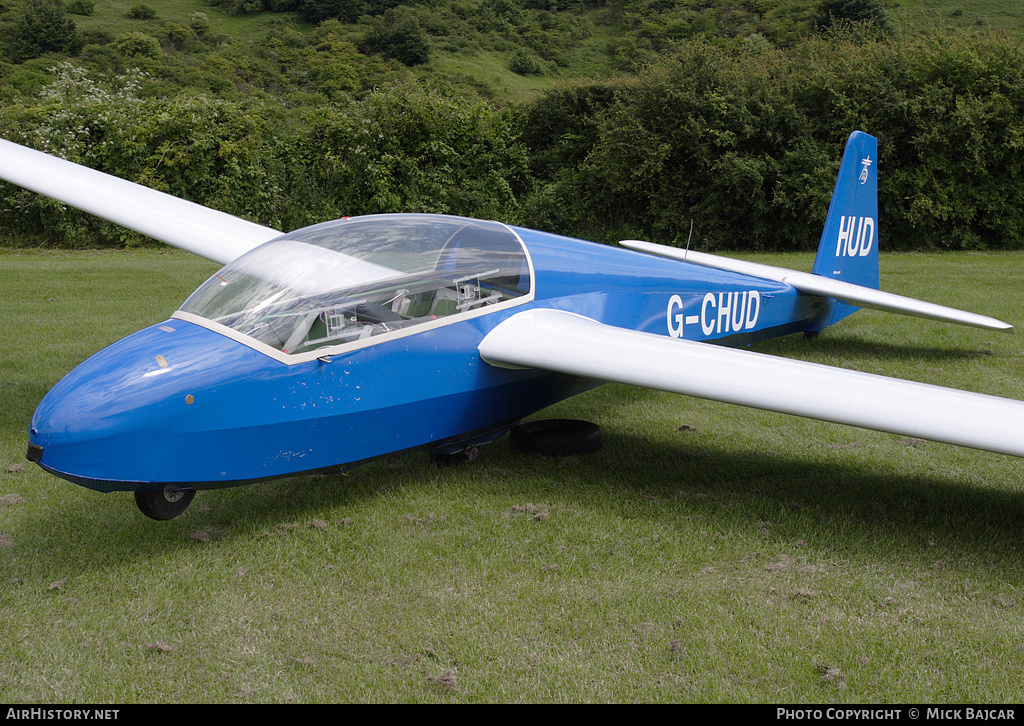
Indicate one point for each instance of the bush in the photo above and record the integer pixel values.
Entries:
(524, 64)
(748, 146)
(348, 11)
(82, 7)
(407, 149)
(43, 27)
(397, 34)
(837, 12)
(141, 12)
(177, 35)
(401, 149)
(742, 139)
(137, 45)
(199, 22)
(240, 7)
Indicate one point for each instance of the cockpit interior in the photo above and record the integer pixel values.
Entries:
(348, 280)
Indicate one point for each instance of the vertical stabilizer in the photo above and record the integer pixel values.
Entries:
(848, 250)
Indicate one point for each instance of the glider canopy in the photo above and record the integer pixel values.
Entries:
(345, 281)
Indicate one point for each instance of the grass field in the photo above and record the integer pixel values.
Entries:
(707, 554)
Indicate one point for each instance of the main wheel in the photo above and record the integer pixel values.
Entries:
(556, 437)
(165, 504)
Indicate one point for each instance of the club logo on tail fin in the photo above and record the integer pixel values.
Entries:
(865, 163)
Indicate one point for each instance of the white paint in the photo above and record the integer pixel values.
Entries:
(811, 284)
(569, 343)
(215, 235)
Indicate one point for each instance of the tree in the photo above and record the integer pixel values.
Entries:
(44, 27)
(834, 12)
(397, 34)
(347, 11)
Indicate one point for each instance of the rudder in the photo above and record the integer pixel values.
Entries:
(848, 249)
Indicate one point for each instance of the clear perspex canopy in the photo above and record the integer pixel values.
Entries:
(348, 280)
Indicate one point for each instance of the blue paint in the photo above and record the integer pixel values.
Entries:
(848, 249)
(207, 404)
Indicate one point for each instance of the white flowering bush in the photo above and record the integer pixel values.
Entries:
(215, 152)
(399, 149)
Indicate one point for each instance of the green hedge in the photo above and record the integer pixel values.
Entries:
(400, 149)
(745, 142)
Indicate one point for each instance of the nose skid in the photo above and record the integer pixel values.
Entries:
(112, 423)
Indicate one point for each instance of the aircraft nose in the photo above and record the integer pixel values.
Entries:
(108, 424)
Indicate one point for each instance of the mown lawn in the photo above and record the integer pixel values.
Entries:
(708, 553)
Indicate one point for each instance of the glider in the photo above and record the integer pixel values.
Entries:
(352, 339)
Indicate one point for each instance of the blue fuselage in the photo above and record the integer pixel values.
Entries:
(180, 403)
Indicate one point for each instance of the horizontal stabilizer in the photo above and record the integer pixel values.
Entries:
(209, 233)
(864, 297)
(568, 343)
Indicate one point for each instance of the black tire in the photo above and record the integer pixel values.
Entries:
(556, 437)
(165, 504)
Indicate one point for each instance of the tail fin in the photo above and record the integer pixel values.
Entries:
(848, 250)
(845, 274)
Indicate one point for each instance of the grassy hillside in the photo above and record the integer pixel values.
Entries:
(1003, 15)
(503, 49)
(110, 16)
(463, 46)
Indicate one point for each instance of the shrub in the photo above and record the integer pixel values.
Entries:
(748, 146)
(199, 22)
(177, 35)
(407, 149)
(137, 45)
(833, 12)
(524, 64)
(397, 34)
(43, 27)
(400, 149)
(82, 7)
(141, 12)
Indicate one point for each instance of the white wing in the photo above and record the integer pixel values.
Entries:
(568, 343)
(806, 282)
(215, 235)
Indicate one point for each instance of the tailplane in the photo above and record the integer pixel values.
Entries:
(845, 274)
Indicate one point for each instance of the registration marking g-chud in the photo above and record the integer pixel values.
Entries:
(723, 312)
